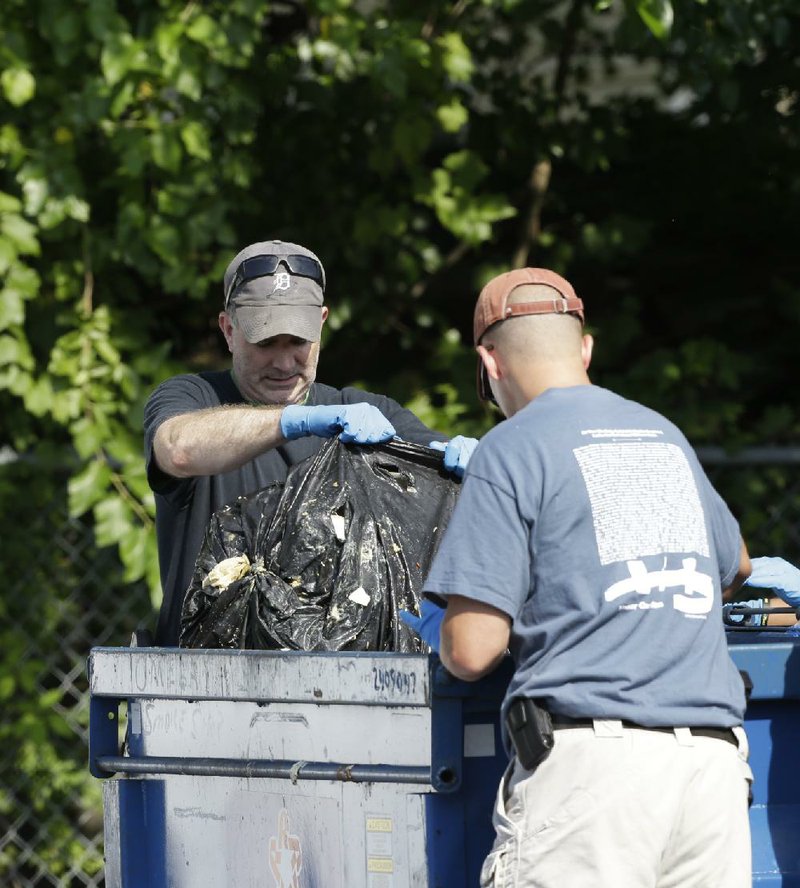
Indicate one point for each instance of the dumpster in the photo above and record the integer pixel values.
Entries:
(259, 768)
(770, 661)
(303, 770)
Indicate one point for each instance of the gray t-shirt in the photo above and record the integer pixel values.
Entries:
(184, 506)
(588, 519)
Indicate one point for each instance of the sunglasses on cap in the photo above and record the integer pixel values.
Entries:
(260, 266)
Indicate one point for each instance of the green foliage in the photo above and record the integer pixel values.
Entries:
(658, 15)
(143, 145)
(50, 590)
(459, 206)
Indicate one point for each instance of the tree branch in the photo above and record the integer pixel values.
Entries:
(457, 253)
(539, 181)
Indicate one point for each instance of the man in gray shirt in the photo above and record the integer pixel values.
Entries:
(212, 437)
(588, 540)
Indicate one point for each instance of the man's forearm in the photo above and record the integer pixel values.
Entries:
(209, 442)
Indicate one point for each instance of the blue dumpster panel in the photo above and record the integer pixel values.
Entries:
(394, 780)
(141, 817)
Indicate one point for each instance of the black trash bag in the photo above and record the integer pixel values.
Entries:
(325, 560)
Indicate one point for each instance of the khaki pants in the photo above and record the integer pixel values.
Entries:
(615, 807)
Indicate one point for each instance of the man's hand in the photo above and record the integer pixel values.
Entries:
(428, 624)
(457, 452)
(776, 574)
(353, 423)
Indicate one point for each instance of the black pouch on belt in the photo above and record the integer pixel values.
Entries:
(531, 731)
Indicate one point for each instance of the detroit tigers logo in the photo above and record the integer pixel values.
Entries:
(282, 281)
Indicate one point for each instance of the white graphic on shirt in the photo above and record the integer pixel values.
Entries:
(622, 433)
(282, 281)
(645, 502)
(698, 588)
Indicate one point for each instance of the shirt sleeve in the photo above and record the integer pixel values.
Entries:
(174, 397)
(725, 535)
(485, 552)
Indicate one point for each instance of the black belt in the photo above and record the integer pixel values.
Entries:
(561, 722)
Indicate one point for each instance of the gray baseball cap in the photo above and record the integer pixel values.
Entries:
(275, 287)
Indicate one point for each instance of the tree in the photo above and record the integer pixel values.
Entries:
(420, 151)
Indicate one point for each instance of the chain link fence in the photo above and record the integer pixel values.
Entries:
(63, 596)
(762, 487)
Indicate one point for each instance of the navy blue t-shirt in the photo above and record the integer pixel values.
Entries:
(588, 519)
(184, 506)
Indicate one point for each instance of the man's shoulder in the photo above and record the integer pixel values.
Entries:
(324, 394)
(588, 401)
(593, 414)
(187, 392)
(215, 384)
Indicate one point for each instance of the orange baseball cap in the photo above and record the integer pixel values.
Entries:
(492, 306)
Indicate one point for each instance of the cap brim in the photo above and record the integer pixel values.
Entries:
(264, 321)
(484, 389)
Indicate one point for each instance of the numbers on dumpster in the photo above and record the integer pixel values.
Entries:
(394, 681)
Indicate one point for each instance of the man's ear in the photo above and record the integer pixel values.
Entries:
(587, 347)
(490, 361)
(324, 313)
(226, 325)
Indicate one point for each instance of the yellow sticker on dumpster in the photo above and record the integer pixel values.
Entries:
(380, 865)
(379, 838)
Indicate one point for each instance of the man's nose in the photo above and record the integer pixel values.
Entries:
(284, 359)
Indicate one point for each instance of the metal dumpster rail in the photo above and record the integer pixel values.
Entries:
(281, 770)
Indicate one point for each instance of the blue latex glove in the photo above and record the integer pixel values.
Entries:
(353, 423)
(457, 452)
(428, 624)
(776, 574)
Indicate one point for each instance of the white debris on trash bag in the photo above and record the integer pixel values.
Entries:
(338, 526)
(334, 614)
(228, 571)
(366, 551)
(360, 596)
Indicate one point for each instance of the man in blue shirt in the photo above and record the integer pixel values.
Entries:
(588, 540)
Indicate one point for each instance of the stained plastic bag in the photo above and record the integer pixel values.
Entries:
(326, 559)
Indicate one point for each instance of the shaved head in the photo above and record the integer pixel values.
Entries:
(524, 354)
(536, 338)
